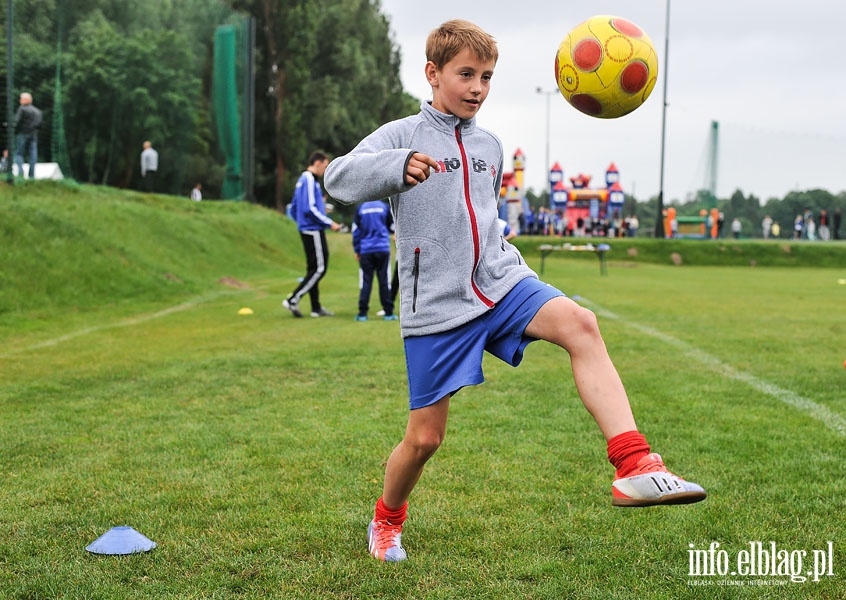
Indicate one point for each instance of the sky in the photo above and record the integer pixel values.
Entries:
(772, 75)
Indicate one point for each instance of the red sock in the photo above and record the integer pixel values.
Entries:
(395, 516)
(625, 450)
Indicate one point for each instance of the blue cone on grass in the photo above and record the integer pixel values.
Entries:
(121, 540)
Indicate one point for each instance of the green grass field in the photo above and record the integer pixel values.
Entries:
(251, 448)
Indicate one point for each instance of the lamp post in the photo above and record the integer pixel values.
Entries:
(659, 218)
(548, 94)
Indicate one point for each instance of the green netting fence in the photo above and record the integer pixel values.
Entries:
(226, 109)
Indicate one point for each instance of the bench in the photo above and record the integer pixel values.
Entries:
(599, 249)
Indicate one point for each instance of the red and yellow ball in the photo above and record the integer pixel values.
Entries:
(606, 67)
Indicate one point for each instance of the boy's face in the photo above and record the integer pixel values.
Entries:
(462, 85)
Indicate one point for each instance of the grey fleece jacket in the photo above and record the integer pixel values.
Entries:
(454, 264)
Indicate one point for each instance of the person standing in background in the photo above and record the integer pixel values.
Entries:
(736, 228)
(309, 211)
(766, 226)
(824, 231)
(27, 122)
(149, 166)
(371, 236)
(4, 161)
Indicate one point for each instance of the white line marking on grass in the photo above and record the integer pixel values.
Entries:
(126, 323)
(817, 411)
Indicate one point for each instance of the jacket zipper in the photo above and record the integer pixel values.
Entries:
(416, 273)
(473, 225)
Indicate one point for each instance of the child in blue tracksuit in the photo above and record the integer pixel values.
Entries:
(371, 234)
(466, 290)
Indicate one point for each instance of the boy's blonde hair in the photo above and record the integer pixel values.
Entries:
(445, 42)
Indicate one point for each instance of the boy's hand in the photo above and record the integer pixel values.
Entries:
(419, 168)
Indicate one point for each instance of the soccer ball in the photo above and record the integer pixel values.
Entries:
(606, 67)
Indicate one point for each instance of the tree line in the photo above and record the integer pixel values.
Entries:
(109, 74)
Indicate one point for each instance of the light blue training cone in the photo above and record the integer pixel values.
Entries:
(121, 540)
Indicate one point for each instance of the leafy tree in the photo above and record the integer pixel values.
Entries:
(124, 31)
(123, 89)
(330, 75)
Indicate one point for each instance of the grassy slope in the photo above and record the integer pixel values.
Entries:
(78, 248)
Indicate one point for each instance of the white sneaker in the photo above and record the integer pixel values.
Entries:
(651, 483)
(384, 541)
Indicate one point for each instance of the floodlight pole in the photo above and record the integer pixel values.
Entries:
(659, 217)
(547, 167)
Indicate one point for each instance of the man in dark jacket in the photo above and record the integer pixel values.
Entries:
(27, 122)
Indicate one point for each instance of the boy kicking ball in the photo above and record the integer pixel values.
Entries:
(466, 290)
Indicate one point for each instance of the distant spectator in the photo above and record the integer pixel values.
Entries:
(617, 226)
(721, 219)
(836, 223)
(27, 122)
(149, 166)
(736, 228)
(798, 227)
(529, 221)
(4, 161)
(543, 221)
(824, 231)
(811, 229)
(633, 225)
(197, 193)
(805, 218)
(766, 226)
(558, 223)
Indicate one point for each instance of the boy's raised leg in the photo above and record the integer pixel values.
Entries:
(641, 479)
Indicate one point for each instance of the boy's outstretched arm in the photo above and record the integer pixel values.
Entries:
(368, 173)
(380, 166)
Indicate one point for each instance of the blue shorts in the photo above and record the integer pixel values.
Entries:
(442, 363)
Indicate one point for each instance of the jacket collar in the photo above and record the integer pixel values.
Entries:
(445, 122)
